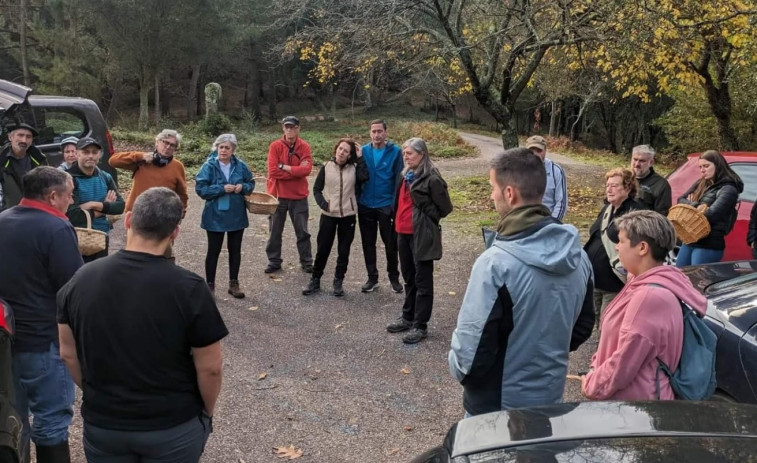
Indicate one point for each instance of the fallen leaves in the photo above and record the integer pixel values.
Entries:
(288, 453)
(405, 370)
(452, 293)
(262, 376)
(273, 278)
(253, 308)
(408, 428)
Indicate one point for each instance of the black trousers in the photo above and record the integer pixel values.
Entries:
(381, 220)
(419, 283)
(341, 228)
(233, 244)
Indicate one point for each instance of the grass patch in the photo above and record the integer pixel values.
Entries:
(443, 141)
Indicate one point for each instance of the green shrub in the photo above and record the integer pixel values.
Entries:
(215, 124)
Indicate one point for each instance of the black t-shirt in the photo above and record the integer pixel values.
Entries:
(135, 318)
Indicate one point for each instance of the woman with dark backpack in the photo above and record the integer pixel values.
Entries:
(716, 195)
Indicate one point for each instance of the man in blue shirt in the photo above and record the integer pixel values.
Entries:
(376, 205)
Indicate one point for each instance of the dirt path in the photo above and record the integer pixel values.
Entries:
(336, 384)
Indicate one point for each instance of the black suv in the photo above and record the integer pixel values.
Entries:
(55, 117)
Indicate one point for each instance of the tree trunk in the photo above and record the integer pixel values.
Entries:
(553, 119)
(194, 82)
(720, 105)
(23, 45)
(254, 95)
(454, 116)
(144, 98)
(156, 101)
(272, 94)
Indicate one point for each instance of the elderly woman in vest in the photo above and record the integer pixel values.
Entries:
(609, 275)
(422, 201)
(223, 182)
(335, 190)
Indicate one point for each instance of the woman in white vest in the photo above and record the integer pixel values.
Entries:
(335, 190)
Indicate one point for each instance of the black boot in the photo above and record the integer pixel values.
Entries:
(313, 287)
(212, 287)
(54, 453)
(338, 289)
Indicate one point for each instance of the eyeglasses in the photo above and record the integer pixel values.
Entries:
(169, 144)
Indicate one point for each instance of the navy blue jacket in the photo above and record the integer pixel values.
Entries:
(223, 212)
(40, 253)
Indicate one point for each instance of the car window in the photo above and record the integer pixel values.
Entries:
(55, 124)
(748, 174)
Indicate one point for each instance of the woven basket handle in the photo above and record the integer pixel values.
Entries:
(268, 180)
(89, 219)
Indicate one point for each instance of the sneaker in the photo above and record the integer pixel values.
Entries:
(270, 268)
(396, 286)
(369, 286)
(338, 288)
(313, 287)
(307, 268)
(415, 336)
(399, 325)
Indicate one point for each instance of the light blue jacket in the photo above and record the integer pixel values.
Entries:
(556, 193)
(223, 212)
(520, 318)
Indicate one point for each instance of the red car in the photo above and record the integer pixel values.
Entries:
(743, 163)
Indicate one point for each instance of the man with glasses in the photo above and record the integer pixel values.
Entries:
(155, 168)
(556, 193)
(39, 255)
(289, 164)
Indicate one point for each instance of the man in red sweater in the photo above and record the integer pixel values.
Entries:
(155, 168)
(289, 164)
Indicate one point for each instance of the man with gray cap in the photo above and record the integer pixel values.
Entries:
(17, 158)
(556, 192)
(289, 164)
(95, 192)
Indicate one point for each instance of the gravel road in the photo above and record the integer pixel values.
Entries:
(321, 373)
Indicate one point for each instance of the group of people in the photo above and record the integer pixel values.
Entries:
(531, 298)
(388, 190)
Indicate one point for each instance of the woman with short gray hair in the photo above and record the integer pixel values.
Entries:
(644, 322)
(422, 201)
(223, 182)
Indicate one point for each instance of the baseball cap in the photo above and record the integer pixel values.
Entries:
(85, 142)
(21, 125)
(69, 141)
(290, 120)
(536, 141)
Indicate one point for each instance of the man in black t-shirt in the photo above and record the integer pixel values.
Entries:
(141, 337)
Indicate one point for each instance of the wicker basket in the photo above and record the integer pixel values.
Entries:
(261, 203)
(90, 241)
(691, 225)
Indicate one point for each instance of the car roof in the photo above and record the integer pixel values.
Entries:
(601, 420)
(731, 156)
(12, 94)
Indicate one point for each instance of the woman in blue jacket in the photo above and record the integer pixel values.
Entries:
(223, 182)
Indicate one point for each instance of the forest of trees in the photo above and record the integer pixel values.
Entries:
(679, 74)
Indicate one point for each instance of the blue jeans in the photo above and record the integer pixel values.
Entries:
(181, 444)
(688, 255)
(45, 390)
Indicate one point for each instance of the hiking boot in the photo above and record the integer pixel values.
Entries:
(307, 268)
(415, 336)
(396, 286)
(313, 287)
(399, 325)
(234, 289)
(369, 286)
(270, 268)
(212, 287)
(338, 289)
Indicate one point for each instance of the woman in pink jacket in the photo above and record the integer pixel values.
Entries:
(644, 321)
